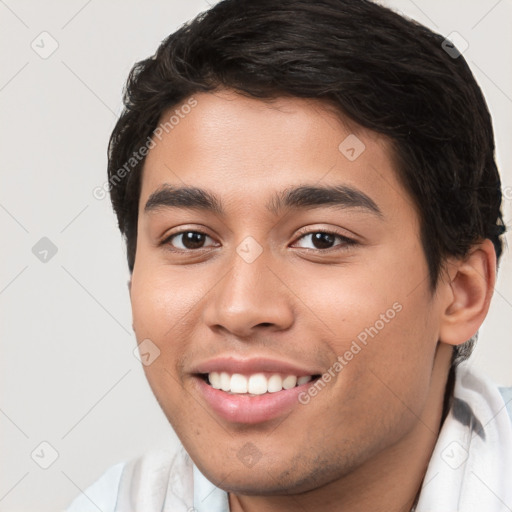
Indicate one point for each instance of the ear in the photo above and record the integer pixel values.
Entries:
(470, 285)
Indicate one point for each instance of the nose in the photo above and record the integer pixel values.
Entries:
(250, 298)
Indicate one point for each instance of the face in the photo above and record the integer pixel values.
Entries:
(279, 272)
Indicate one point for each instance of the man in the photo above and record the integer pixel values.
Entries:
(311, 207)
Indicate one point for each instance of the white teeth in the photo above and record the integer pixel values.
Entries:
(256, 384)
(238, 383)
(289, 382)
(214, 380)
(225, 381)
(275, 383)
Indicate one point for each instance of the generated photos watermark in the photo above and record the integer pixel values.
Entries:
(355, 348)
(100, 192)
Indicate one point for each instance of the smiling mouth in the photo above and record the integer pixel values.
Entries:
(254, 384)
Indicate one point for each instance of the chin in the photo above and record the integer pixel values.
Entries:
(263, 479)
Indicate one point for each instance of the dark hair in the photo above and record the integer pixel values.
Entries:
(381, 70)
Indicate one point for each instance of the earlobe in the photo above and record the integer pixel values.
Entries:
(471, 281)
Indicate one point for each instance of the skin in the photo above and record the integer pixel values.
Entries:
(364, 442)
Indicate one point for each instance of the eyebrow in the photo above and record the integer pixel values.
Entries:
(195, 198)
(338, 196)
(305, 196)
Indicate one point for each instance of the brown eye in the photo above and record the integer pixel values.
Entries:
(188, 240)
(322, 240)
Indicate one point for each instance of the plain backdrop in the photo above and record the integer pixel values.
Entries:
(69, 378)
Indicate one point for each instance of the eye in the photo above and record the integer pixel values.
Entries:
(322, 240)
(188, 240)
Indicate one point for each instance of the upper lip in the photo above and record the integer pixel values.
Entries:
(253, 365)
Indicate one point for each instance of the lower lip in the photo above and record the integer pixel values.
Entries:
(251, 409)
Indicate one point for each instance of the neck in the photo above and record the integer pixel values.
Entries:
(389, 482)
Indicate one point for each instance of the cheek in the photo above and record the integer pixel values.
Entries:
(382, 325)
(162, 308)
(159, 305)
(161, 299)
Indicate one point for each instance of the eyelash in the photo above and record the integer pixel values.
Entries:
(344, 245)
(346, 242)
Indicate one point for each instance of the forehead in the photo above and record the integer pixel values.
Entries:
(246, 149)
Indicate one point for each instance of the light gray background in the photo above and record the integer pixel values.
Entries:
(68, 373)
